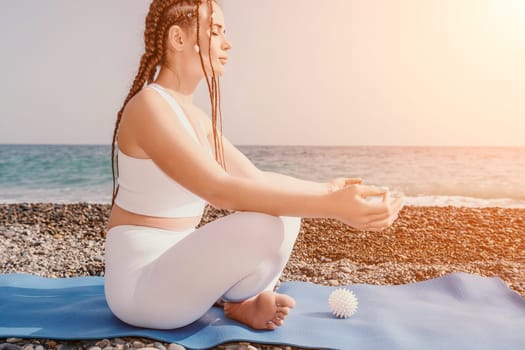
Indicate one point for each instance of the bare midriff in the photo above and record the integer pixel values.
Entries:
(120, 216)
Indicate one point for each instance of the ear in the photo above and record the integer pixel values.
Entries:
(176, 38)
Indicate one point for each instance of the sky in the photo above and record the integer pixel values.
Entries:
(301, 72)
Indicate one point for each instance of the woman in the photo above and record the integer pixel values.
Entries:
(162, 272)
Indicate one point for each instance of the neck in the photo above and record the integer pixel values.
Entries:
(180, 85)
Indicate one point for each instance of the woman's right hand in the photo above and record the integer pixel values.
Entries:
(351, 207)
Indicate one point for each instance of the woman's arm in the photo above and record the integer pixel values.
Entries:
(250, 189)
(274, 197)
(292, 182)
(239, 165)
(165, 140)
(246, 188)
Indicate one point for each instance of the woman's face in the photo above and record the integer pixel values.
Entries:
(219, 44)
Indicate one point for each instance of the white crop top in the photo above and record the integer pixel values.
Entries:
(145, 189)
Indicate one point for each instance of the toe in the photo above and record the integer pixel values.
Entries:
(280, 315)
(270, 325)
(277, 321)
(283, 310)
(284, 300)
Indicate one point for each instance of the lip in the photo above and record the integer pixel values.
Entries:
(223, 60)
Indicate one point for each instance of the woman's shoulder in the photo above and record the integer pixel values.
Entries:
(145, 98)
(143, 106)
(147, 103)
(135, 110)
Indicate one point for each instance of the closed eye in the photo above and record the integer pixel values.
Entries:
(217, 29)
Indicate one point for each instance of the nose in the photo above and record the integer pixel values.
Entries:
(227, 44)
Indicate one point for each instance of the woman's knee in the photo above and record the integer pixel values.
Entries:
(262, 228)
(292, 224)
(278, 228)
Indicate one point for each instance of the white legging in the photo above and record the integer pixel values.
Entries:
(164, 279)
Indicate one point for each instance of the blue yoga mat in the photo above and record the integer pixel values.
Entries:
(456, 311)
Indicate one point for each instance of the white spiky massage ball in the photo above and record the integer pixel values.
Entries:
(342, 302)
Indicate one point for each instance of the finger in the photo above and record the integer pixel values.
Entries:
(353, 181)
(392, 211)
(382, 223)
(384, 214)
(366, 191)
(379, 225)
(396, 206)
(386, 197)
(371, 209)
(336, 184)
(342, 182)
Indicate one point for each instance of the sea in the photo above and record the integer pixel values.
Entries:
(427, 176)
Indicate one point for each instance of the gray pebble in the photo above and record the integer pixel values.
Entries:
(119, 341)
(138, 344)
(247, 347)
(108, 348)
(39, 347)
(28, 347)
(93, 348)
(103, 343)
(345, 269)
(14, 340)
(8, 346)
(159, 346)
(174, 346)
(67, 346)
(240, 346)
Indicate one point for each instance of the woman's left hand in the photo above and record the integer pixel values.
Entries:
(341, 182)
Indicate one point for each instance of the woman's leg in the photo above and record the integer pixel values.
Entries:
(245, 288)
(265, 310)
(235, 257)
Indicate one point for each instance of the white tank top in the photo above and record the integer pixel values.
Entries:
(145, 189)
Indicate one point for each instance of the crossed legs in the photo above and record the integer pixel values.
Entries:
(238, 258)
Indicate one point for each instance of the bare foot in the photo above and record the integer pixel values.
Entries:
(264, 311)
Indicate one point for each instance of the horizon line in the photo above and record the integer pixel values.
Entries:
(284, 145)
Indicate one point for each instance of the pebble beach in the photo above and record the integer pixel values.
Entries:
(424, 243)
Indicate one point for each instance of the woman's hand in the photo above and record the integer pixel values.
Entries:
(352, 208)
(341, 182)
